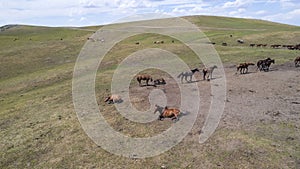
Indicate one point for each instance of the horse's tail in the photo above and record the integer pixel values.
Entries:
(180, 75)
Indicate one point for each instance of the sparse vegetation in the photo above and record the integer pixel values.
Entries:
(39, 128)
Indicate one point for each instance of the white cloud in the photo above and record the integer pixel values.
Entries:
(261, 12)
(237, 3)
(105, 11)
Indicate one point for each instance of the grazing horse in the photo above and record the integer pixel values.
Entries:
(243, 67)
(113, 99)
(144, 77)
(159, 81)
(297, 61)
(166, 112)
(207, 72)
(187, 74)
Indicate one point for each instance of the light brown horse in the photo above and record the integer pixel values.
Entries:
(144, 77)
(207, 72)
(113, 99)
(297, 61)
(166, 112)
(243, 67)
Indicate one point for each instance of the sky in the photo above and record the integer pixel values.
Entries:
(100, 12)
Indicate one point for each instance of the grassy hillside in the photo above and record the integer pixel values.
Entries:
(39, 128)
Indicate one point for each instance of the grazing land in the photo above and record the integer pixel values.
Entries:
(260, 126)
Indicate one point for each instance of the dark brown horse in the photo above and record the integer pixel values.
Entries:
(185, 75)
(243, 67)
(166, 112)
(297, 61)
(160, 81)
(260, 63)
(265, 64)
(144, 77)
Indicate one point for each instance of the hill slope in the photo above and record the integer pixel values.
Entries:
(39, 128)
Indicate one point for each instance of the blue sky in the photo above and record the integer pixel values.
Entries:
(97, 12)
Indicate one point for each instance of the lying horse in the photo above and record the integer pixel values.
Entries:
(159, 81)
(243, 67)
(144, 77)
(207, 72)
(297, 61)
(113, 99)
(166, 112)
(187, 74)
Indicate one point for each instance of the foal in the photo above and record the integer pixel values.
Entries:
(187, 74)
(243, 67)
(207, 72)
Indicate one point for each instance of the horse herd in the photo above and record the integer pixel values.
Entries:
(277, 46)
(166, 112)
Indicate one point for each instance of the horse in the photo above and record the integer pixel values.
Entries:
(265, 64)
(166, 112)
(187, 74)
(207, 72)
(144, 77)
(159, 81)
(297, 61)
(260, 62)
(113, 99)
(243, 67)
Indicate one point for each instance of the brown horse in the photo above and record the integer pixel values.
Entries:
(166, 112)
(297, 61)
(144, 77)
(243, 67)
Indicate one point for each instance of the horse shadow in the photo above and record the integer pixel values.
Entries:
(118, 102)
(210, 79)
(145, 85)
(193, 81)
(182, 114)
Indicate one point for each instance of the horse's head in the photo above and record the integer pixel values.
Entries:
(272, 61)
(158, 109)
(251, 64)
(106, 99)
